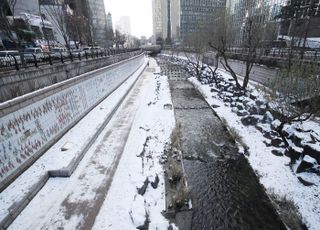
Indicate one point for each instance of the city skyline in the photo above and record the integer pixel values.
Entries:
(139, 11)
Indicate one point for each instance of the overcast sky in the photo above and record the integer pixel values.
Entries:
(139, 11)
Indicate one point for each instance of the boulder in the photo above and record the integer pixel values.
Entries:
(242, 113)
(304, 182)
(253, 110)
(262, 109)
(275, 124)
(240, 106)
(227, 99)
(307, 164)
(234, 110)
(277, 142)
(260, 103)
(270, 135)
(233, 104)
(267, 118)
(249, 120)
(252, 96)
(238, 94)
(294, 154)
(277, 152)
(312, 151)
(263, 128)
(215, 106)
(267, 143)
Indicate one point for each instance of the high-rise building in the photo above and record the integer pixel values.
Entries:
(178, 18)
(195, 14)
(30, 6)
(124, 25)
(260, 11)
(97, 19)
(109, 22)
(175, 19)
(160, 20)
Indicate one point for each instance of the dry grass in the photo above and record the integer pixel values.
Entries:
(175, 137)
(175, 171)
(181, 196)
(235, 136)
(288, 211)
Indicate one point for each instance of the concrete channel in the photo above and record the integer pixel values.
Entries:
(225, 192)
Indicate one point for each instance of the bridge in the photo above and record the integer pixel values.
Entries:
(151, 49)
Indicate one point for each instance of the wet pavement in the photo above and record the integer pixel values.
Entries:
(226, 194)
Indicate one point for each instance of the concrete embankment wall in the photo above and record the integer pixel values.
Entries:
(30, 124)
(17, 83)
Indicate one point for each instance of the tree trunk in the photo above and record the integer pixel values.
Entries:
(230, 70)
(305, 38)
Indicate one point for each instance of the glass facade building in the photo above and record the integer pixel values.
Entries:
(195, 14)
(97, 18)
(261, 11)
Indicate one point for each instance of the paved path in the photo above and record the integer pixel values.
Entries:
(81, 196)
(225, 192)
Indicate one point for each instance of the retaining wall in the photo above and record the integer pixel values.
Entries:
(17, 83)
(30, 124)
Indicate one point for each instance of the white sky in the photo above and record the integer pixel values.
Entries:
(139, 11)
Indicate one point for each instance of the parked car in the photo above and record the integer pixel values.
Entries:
(93, 49)
(97, 49)
(87, 49)
(58, 51)
(7, 57)
(77, 52)
(29, 54)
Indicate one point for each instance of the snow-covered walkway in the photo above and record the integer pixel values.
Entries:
(102, 191)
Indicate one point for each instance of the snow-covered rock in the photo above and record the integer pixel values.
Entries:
(308, 164)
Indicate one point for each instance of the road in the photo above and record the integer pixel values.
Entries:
(260, 74)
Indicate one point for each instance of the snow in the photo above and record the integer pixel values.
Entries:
(275, 173)
(55, 158)
(309, 159)
(123, 207)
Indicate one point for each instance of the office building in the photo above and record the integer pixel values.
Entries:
(109, 24)
(98, 21)
(124, 25)
(263, 12)
(160, 20)
(197, 14)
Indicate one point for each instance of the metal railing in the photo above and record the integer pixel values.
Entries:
(281, 53)
(30, 60)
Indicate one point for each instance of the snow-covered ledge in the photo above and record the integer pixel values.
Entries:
(30, 124)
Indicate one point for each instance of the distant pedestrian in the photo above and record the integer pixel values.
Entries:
(148, 63)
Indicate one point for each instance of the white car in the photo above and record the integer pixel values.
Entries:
(7, 57)
(94, 50)
(29, 54)
(58, 51)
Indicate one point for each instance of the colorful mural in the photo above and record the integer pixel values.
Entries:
(26, 131)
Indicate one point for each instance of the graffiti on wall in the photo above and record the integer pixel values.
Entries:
(25, 132)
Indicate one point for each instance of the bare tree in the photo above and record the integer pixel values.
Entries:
(119, 38)
(57, 11)
(294, 95)
(110, 37)
(194, 47)
(221, 40)
(252, 43)
(77, 25)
